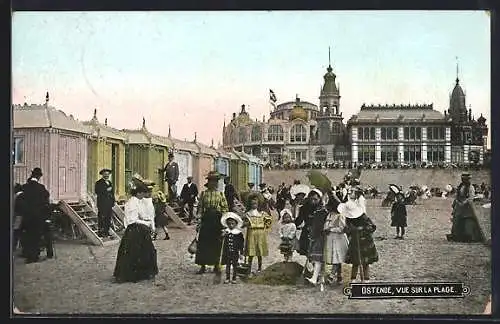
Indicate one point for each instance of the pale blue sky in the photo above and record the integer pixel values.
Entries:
(173, 67)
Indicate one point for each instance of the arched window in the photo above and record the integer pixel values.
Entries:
(320, 155)
(275, 133)
(335, 129)
(256, 133)
(242, 135)
(298, 133)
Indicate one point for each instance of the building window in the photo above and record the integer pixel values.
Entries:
(298, 133)
(435, 133)
(435, 153)
(366, 154)
(389, 133)
(413, 133)
(275, 133)
(336, 129)
(367, 133)
(320, 155)
(298, 156)
(234, 138)
(256, 133)
(242, 135)
(389, 153)
(18, 151)
(412, 153)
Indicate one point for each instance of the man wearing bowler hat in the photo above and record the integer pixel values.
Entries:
(105, 202)
(35, 213)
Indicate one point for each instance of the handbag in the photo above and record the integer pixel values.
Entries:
(193, 246)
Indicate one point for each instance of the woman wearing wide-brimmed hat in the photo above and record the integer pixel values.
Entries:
(359, 228)
(211, 206)
(136, 258)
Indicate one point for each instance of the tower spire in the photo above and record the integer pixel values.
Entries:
(456, 58)
(329, 64)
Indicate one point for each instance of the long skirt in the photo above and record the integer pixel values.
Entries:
(136, 258)
(361, 250)
(209, 247)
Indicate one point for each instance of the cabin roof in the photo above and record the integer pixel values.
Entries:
(224, 154)
(205, 149)
(185, 146)
(97, 129)
(43, 116)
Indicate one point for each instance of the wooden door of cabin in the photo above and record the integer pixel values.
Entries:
(114, 166)
(69, 169)
(182, 160)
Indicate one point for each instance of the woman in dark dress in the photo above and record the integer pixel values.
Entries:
(211, 206)
(316, 234)
(136, 258)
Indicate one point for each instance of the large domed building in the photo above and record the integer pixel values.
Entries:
(297, 132)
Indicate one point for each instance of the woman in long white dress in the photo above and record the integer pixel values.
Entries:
(136, 258)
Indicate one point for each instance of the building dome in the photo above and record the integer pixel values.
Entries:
(457, 91)
(298, 113)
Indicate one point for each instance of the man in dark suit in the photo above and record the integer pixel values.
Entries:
(189, 194)
(171, 171)
(230, 193)
(105, 202)
(34, 214)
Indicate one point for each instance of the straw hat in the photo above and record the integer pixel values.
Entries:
(232, 215)
(350, 209)
(105, 171)
(213, 175)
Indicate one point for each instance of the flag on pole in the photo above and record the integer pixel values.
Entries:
(272, 96)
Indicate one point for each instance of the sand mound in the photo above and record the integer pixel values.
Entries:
(280, 273)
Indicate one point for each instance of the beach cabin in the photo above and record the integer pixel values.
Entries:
(239, 171)
(205, 162)
(185, 153)
(145, 154)
(46, 137)
(222, 163)
(253, 168)
(106, 149)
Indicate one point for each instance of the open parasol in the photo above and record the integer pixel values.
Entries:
(319, 180)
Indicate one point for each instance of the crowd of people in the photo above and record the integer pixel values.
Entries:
(333, 223)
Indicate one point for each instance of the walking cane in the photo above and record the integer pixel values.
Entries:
(218, 276)
(361, 270)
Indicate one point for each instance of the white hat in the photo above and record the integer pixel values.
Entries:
(448, 188)
(285, 211)
(394, 188)
(350, 209)
(299, 189)
(232, 215)
(317, 191)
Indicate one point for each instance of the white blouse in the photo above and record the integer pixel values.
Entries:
(149, 210)
(134, 213)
